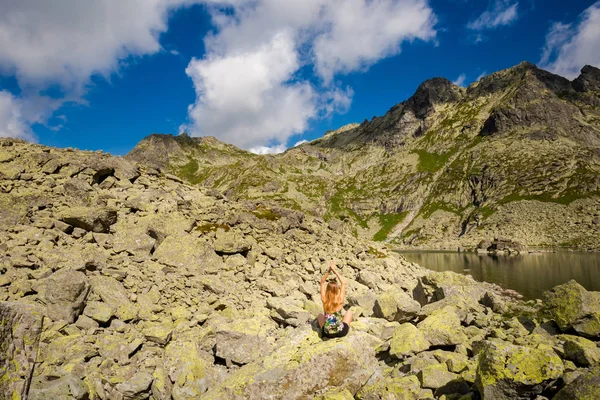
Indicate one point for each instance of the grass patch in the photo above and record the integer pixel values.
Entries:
(430, 208)
(388, 222)
(376, 253)
(212, 227)
(188, 172)
(266, 213)
(566, 199)
(431, 162)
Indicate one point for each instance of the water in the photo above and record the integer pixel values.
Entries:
(528, 274)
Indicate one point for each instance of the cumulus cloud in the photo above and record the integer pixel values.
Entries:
(252, 86)
(499, 13)
(12, 122)
(280, 148)
(461, 80)
(571, 46)
(60, 44)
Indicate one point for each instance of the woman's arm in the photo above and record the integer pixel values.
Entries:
(324, 284)
(342, 281)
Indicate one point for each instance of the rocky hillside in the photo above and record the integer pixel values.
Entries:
(118, 281)
(515, 155)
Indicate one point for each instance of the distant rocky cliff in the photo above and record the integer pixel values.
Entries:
(515, 155)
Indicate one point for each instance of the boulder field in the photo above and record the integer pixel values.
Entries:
(119, 281)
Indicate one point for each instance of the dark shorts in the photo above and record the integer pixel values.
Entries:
(341, 333)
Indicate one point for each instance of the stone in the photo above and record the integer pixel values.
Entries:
(188, 252)
(335, 394)
(507, 371)
(435, 376)
(585, 387)
(119, 347)
(288, 311)
(66, 388)
(91, 219)
(302, 365)
(406, 340)
(64, 293)
(20, 330)
(137, 387)
(84, 322)
(186, 369)
(396, 388)
(231, 242)
(115, 296)
(442, 328)
(396, 305)
(243, 341)
(99, 311)
(133, 240)
(572, 306)
(581, 351)
(159, 333)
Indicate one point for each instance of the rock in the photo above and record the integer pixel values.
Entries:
(581, 351)
(133, 240)
(406, 340)
(64, 293)
(335, 394)
(572, 306)
(188, 252)
(506, 371)
(137, 387)
(435, 376)
(288, 311)
(302, 365)
(91, 219)
(400, 388)
(186, 369)
(396, 305)
(119, 347)
(442, 328)
(495, 302)
(587, 386)
(20, 329)
(231, 243)
(66, 388)
(99, 311)
(114, 295)
(68, 349)
(243, 341)
(159, 333)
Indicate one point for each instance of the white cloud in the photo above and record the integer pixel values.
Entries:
(249, 86)
(268, 150)
(499, 13)
(60, 44)
(460, 81)
(12, 122)
(300, 142)
(571, 46)
(481, 76)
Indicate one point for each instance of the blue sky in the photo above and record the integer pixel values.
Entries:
(261, 74)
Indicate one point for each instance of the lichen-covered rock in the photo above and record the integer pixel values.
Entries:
(406, 340)
(64, 293)
(93, 219)
(586, 387)
(20, 329)
(287, 310)
(137, 387)
(572, 306)
(302, 365)
(231, 243)
(244, 340)
(187, 252)
(68, 387)
(158, 332)
(405, 388)
(435, 376)
(335, 394)
(186, 369)
(506, 371)
(396, 305)
(442, 328)
(114, 295)
(581, 351)
(99, 311)
(133, 240)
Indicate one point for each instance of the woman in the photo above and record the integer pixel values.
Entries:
(332, 323)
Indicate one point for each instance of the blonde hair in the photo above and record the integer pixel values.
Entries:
(333, 298)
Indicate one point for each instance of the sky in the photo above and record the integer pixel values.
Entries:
(263, 75)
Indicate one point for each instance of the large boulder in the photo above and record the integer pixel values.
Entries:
(407, 339)
(442, 328)
(396, 305)
(20, 329)
(397, 388)
(188, 252)
(303, 365)
(507, 371)
(64, 293)
(243, 341)
(67, 387)
(94, 219)
(115, 296)
(288, 310)
(572, 306)
(586, 386)
(231, 242)
(186, 369)
(581, 351)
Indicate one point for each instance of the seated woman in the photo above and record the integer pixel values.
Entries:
(332, 324)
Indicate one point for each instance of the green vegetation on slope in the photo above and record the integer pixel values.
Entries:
(388, 222)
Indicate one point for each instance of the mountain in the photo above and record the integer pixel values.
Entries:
(514, 155)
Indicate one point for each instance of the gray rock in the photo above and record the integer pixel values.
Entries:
(396, 305)
(288, 311)
(572, 306)
(587, 386)
(581, 351)
(114, 295)
(242, 341)
(20, 329)
(137, 387)
(188, 252)
(94, 219)
(66, 388)
(442, 328)
(64, 293)
(231, 243)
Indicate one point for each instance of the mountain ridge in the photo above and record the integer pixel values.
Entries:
(444, 168)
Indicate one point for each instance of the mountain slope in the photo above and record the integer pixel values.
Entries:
(516, 154)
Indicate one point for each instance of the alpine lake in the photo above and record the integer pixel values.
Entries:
(530, 274)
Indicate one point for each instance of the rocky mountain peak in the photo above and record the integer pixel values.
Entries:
(589, 80)
(433, 91)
